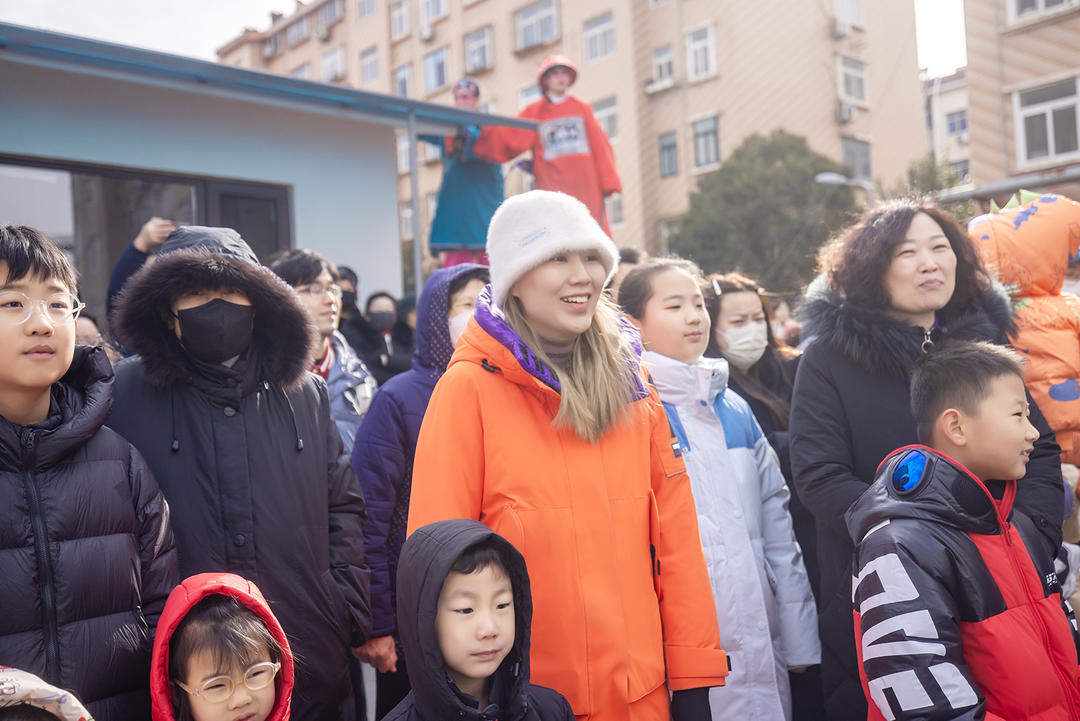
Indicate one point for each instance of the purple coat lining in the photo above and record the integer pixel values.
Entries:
(492, 321)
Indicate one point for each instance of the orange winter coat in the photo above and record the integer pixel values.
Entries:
(1028, 249)
(609, 624)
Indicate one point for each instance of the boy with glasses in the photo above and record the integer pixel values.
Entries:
(86, 552)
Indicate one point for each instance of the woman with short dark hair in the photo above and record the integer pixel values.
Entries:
(900, 280)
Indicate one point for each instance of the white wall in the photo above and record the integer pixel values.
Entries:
(342, 171)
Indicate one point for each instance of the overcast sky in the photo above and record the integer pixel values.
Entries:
(198, 27)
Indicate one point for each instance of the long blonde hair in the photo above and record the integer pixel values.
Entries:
(601, 377)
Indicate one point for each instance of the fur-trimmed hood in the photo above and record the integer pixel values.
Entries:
(283, 333)
(881, 344)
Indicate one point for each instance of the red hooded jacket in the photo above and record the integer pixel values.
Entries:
(181, 601)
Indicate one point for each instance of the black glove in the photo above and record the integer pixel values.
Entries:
(691, 705)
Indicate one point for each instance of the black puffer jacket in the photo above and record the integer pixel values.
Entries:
(850, 409)
(86, 554)
(251, 462)
(426, 558)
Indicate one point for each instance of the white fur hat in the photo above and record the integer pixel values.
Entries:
(530, 228)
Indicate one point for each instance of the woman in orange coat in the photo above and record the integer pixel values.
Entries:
(543, 429)
(1028, 248)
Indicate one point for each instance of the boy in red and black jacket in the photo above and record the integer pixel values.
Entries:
(957, 609)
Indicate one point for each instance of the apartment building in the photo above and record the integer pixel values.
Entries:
(948, 137)
(1023, 77)
(677, 84)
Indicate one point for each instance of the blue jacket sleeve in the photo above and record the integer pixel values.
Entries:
(380, 461)
(129, 263)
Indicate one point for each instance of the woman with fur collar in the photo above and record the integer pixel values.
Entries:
(240, 437)
(902, 279)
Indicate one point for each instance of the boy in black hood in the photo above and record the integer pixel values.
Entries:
(465, 610)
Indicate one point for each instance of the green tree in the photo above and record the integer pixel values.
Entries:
(926, 175)
(762, 213)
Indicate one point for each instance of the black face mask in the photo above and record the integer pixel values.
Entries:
(348, 299)
(216, 331)
(383, 320)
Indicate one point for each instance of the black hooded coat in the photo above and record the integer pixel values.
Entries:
(850, 409)
(426, 559)
(250, 459)
(86, 554)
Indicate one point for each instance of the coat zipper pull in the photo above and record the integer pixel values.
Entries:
(927, 343)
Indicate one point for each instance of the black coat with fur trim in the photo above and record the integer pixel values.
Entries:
(850, 409)
(251, 463)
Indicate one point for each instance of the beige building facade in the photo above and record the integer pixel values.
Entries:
(677, 84)
(947, 131)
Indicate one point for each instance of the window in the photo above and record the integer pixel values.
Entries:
(488, 107)
(852, 79)
(435, 70)
(402, 153)
(333, 65)
(399, 19)
(599, 37)
(669, 155)
(366, 7)
(403, 80)
(962, 169)
(1023, 9)
(528, 94)
(303, 72)
(706, 142)
(432, 206)
(331, 12)
(663, 63)
(956, 122)
(668, 228)
(427, 153)
(657, 3)
(431, 10)
(536, 24)
(847, 10)
(857, 157)
(613, 209)
(405, 215)
(478, 50)
(298, 32)
(369, 65)
(700, 53)
(271, 46)
(1046, 121)
(606, 115)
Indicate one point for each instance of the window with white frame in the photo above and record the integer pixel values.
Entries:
(613, 209)
(402, 152)
(657, 3)
(663, 63)
(856, 155)
(706, 141)
(271, 46)
(700, 53)
(333, 65)
(369, 66)
(403, 80)
(298, 32)
(528, 94)
(536, 24)
(478, 50)
(331, 12)
(847, 10)
(607, 115)
(405, 229)
(852, 79)
(427, 153)
(599, 37)
(303, 72)
(435, 70)
(488, 107)
(669, 154)
(432, 200)
(1024, 9)
(962, 169)
(432, 10)
(956, 122)
(1046, 122)
(399, 19)
(366, 8)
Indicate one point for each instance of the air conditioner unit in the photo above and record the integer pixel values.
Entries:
(963, 138)
(840, 28)
(655, 86)
(845, 113)
(324, 33)
(425, 33)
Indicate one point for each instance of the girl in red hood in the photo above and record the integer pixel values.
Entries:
(220, 654)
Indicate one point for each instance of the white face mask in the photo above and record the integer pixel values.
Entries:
(457, 326)
(745, 345)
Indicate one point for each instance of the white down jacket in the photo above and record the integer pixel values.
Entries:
(766, 611)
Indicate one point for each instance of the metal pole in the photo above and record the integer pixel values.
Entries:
(414, 188)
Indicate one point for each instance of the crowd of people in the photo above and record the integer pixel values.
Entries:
(221, 501)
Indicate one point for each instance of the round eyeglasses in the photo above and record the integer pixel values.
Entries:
(220, 688)
(317, 289)
(16, 307)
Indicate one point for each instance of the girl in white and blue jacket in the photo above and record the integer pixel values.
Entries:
(768, 622)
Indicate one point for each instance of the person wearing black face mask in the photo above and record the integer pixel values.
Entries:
(240, 437)
(382, 340)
